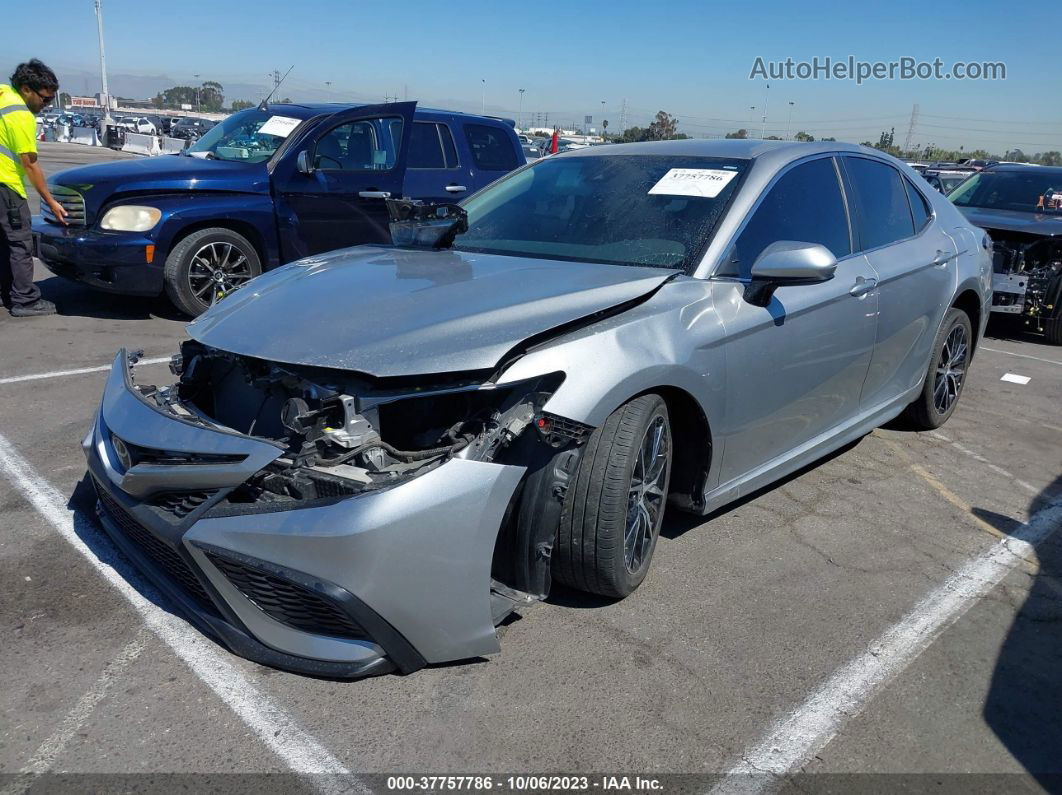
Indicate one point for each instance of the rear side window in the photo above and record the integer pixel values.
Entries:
(805, 205)
(919, 206)
(885, 210)
(492, 149)
(431, 146)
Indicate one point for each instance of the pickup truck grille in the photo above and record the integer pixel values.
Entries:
(72, 201)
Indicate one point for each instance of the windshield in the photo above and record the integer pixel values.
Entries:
(251, 136)
(1026, 191)
(649, 210)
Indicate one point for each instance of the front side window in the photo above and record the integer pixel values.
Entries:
(362, 145)
(492, 149)
(805, 205)
(616, 209)
(885, 211)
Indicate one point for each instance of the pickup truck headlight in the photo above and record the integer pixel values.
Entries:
(130, 218)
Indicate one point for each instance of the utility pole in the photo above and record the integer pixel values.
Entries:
(520, 111)
(103, 70)
(910, 129)
(196, 93)
(789, 123)
(766, 100)
(623, 117)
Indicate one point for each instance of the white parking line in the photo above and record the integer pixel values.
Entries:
(14, 379)
(795, 739)
(50, 749)
(981, 459)
(1021, 355)
(274, 726)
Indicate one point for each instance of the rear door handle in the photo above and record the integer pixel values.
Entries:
(942, 258)
(863, 286)
(456, 188)
(375, 194)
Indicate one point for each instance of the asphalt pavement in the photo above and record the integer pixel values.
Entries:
(857, 624)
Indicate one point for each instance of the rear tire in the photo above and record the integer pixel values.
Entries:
(946, 375)
(207, 265)
(1053, 328)
(614, 507)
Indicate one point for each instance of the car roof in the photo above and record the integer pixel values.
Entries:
(306, 110)
(1027, 167)
(738, 148)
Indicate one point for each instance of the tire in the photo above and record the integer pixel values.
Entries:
(1053, 328)
(593, 552)
(188, 273)
(937, 401)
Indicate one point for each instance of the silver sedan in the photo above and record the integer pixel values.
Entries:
(369, 458)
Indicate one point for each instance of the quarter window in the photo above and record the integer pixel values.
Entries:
(885, 212)
(804, 205)
(492, 148)
(919, 206)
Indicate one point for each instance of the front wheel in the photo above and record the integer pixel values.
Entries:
(946, 375)
(613, 510)
(206, 266)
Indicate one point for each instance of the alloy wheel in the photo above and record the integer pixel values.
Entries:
(951, 370)
(645, 500)
(216, 270)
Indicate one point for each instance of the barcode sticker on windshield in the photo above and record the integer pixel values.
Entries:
(280, 126)
(705, 182)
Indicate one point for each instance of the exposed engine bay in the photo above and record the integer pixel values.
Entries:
(344, 433)
(1027, 276)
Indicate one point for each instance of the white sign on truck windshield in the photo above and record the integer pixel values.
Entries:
(280, 126)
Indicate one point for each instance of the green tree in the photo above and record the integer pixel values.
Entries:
(803, 136)
(211, 97)
(664, 127)
(742, 133)
(1051, 158)
(241, 104)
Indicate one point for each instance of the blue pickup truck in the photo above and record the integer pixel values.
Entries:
(266, 186)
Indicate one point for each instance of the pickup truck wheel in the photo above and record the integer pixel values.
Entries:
(946, 376)
(206, 266)
(614, 506)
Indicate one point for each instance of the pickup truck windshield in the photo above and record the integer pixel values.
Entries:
(647, 210)
(251, 136)
(1030, 191)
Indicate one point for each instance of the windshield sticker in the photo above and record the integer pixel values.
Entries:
(281, 126)
(704, 182)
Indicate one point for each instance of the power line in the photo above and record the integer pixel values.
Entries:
(992, 121)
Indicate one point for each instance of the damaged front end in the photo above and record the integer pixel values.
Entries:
(326, 521)
(1027, 275)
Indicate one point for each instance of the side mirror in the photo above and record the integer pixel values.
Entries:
(303, 164)
(787, 263)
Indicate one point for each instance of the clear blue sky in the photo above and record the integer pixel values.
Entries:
(689, 57)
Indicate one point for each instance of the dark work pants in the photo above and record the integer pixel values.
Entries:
(16, 250)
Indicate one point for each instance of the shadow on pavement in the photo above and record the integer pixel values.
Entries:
(1024, 702)
(78, 300)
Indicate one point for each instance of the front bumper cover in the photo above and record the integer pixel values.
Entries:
(411, 564)
(111, 261)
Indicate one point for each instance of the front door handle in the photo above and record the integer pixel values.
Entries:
(456, 188)
(375, 194)
(863, 286)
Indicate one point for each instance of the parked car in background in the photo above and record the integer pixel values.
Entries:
(371, 457)
(946, 181)
(1020, 207)
(263, 188)
(191, 128)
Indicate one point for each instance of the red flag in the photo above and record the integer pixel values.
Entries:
(554, 145)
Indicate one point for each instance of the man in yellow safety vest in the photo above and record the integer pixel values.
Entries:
(33, 87)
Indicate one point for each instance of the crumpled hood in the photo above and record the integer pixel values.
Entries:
(1032, 223)
(395, 312)
(97, 183)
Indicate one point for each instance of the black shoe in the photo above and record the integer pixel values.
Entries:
(38, 307)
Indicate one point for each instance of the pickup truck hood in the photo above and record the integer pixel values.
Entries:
(1032, 223)
(397, 312)
(166, 173)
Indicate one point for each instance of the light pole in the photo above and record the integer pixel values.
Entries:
(196, 93)
(103, 70)
(752, 112)
(520, 112)
(789, 123)
(602, 119)
(483, 98)
(766, 101)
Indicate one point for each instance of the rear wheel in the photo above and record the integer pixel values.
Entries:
(614, 508)
(947, 373)
(206, 266)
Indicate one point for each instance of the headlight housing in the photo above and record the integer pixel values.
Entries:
(130, 218)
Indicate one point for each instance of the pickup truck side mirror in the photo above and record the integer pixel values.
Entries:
(303, 164)
(786, 263)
